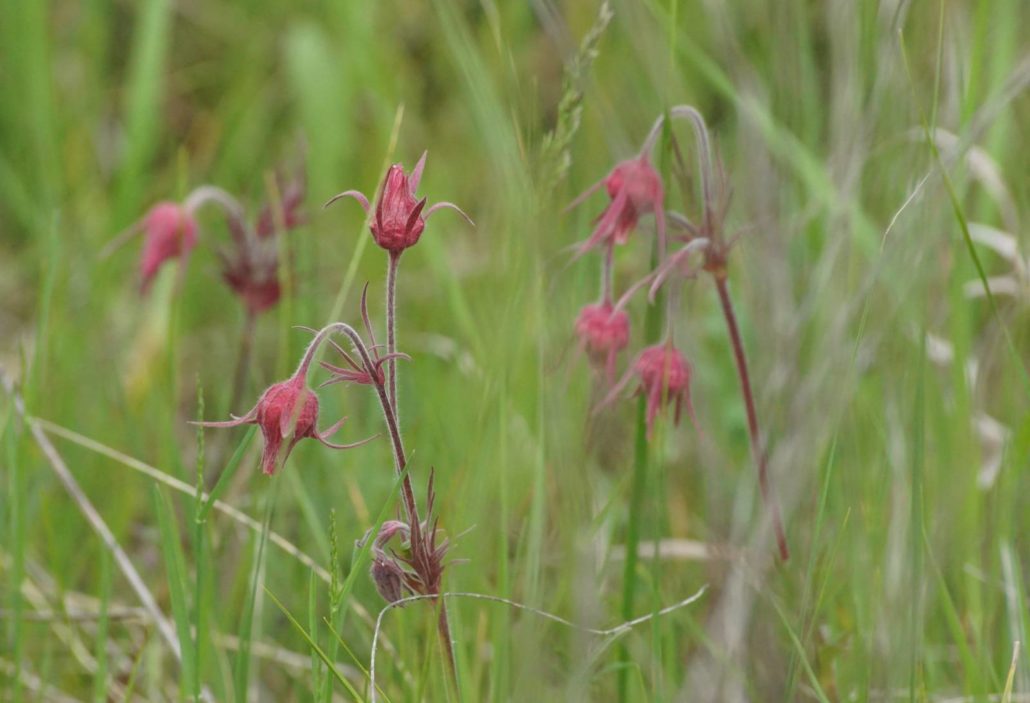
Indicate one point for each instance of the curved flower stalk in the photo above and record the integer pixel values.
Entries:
(287, 412)
(715, 192)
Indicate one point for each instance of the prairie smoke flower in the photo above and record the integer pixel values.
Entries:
(603, 332)
(399, 219)
(287, 412)
(169, 231)
(635, 189)
(664, 377)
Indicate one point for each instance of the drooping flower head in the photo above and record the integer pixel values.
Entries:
(400, 216)
(663, 375)
(635, 189)
(169, 232)
(603, 332)
(287, 412)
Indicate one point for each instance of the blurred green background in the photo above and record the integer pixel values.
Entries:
(892, 390)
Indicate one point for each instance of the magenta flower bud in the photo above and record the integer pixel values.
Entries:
(603, 332)
(169, 231)
(635, 189)
(399, 219)
(388, 578)
(286, 413)
(664, 377)
(398, 222)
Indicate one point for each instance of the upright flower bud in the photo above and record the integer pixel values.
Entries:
(169, 231)
(399, 219)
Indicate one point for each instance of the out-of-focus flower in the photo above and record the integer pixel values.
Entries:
(603, 332)
(664, 378)
(635, 189)
(169, 232)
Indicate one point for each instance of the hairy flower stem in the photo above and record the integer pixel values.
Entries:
(391, 326)
(239, 380)
(444, 628)
(399, 459)
(757, 451)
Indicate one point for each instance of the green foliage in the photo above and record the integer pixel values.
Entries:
(868, 149)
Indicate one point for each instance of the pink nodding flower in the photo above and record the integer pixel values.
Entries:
(287, 412)
(635, 189)
(399, 220)
(169, 231)
(603, 332)
(664, 376)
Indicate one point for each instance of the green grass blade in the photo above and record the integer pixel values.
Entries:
(175, 567)
(225, 478)
(318, 650)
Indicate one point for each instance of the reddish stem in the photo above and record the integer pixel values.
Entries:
(757, 452)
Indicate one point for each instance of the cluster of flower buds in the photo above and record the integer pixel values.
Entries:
(419, 565)
(634, 188)
(663, 373)
(288, 411)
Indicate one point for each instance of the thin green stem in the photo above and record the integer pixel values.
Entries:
(239, 380)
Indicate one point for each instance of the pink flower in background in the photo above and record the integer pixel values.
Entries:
(399, 220)
(169, 232)
(664, 378)
(603, 332)
(635, 189)
(251, 268)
